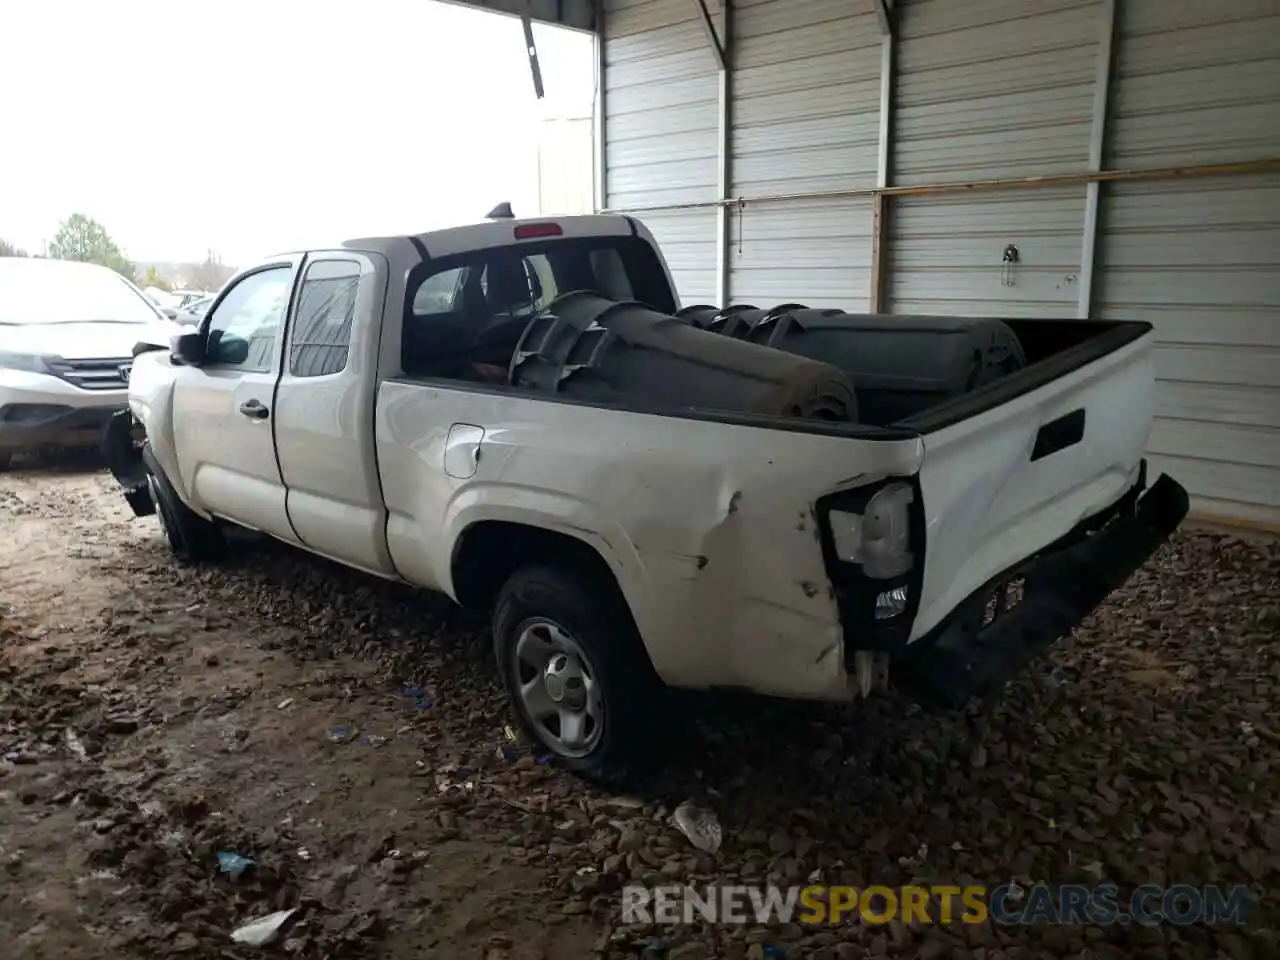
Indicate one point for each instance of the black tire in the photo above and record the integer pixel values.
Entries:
(191, 537)
(596, 617)
(5, 459)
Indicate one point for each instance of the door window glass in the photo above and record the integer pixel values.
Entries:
(243, 327)
(321, 338)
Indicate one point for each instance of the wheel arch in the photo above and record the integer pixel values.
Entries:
(489, 551)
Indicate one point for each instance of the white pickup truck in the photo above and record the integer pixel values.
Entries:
(365, 402)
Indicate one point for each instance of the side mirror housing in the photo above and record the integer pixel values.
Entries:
(189, 349)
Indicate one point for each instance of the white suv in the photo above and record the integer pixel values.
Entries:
(67, 332)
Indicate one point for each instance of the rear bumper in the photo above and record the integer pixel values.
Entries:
(1017, 616)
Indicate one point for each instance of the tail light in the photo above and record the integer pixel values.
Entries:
(532, 231)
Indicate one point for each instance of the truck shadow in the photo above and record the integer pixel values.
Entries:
(718, 742)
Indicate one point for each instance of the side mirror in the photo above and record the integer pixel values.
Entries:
(188, 349)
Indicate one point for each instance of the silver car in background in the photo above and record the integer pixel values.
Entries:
(191, 313)
(67, 333)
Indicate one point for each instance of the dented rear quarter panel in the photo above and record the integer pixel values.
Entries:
(708, 527)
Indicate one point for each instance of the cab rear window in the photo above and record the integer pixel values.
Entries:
(624, 268)
(471, 308)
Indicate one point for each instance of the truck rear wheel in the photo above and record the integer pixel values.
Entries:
(573, 664)
(190, 536)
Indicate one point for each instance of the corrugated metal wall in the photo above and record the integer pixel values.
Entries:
(1199, 82)
(986, 89)
(989, 89)
(806, 119)
(662, 131)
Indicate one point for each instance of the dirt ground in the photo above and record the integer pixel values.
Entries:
(348, 736)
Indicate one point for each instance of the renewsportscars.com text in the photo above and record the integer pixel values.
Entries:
(1010, 904)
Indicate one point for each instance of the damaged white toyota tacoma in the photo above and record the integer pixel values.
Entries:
(800, 502)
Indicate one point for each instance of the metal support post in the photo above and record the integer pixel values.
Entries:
(879, 202)
(724, 172)
(1097, 143)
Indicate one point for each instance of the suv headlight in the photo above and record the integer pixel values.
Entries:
(30, 362)
(878, 539)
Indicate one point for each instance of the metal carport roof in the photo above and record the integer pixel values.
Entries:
(575, 14)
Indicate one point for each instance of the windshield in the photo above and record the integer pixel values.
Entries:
(35, 291)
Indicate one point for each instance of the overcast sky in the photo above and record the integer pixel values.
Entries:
(253, 126)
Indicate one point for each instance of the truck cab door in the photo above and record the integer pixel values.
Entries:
(223, 410)
(324, 416)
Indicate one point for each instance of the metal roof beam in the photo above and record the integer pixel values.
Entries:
(574, 14)
(709, 28)
(884, 16)
(531, 49)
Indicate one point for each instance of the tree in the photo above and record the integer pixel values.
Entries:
(7, 249)
(211, 274)
(153, 279)
(82, 238)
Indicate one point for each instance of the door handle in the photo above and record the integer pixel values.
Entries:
(254, 409)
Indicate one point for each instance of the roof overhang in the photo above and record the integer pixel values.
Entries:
(574, 14)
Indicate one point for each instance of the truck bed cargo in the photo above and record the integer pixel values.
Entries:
(901, 365)
(588, 346)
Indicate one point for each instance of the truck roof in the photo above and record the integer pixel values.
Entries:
(495, 233)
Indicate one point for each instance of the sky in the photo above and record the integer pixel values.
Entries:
(252, 127)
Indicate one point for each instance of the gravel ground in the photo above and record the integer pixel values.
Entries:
(349, 737)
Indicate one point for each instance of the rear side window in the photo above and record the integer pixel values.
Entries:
(321, 336)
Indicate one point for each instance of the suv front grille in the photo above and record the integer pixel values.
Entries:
(105, 374)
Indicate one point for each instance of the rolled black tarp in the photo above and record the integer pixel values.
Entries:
(900, 365)
(587, 346)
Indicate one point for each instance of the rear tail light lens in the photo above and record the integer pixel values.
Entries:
(878, 538)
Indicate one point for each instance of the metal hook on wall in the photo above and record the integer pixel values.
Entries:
(1007, 260)
(742, 205)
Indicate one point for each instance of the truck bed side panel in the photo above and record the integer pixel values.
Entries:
(708, 526)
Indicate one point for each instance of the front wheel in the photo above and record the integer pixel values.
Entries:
(575, 669)
(190, 536)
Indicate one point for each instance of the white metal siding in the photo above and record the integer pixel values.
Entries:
(806, 118)
(815, 252)
(1199, 82)
(993, 88)
(990, 89)
(662, 130)
(687, 239)
(1196, 81)
(945, 253)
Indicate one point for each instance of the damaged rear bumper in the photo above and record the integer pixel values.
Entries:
(124, 456)
(1017, 616)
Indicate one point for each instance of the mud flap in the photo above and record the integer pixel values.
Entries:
(125, 460)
